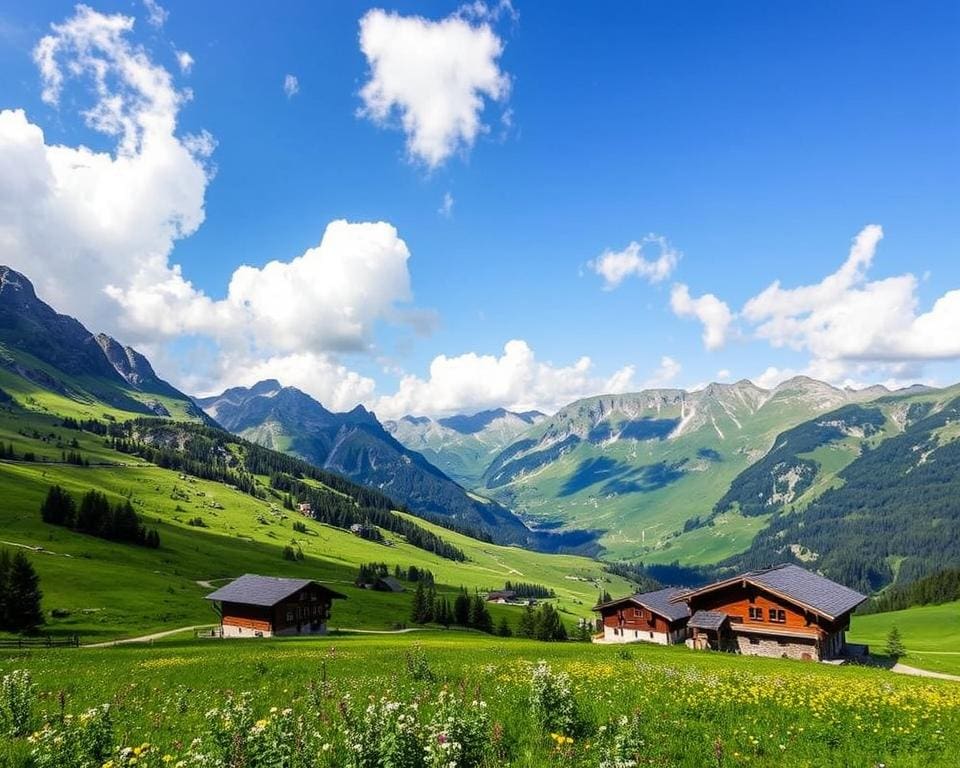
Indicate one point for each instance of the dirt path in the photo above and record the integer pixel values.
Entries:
(147, 638)
(168, 632)
(903, 669)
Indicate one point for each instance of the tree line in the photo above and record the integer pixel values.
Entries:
(465, 611)
(936, 589)
(522, 589)
(96, 516)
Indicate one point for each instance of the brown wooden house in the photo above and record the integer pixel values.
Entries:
(650, 617)
(784, 611)
(263, 606)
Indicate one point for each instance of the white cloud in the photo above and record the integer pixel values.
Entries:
(723, 374)
(665, 374)
(433, 76)
(846, 318)
(516, 380)
(328, 299)
(446, 207)
(320, 376)
(157, 15)
(76, 219)
(714, 314)
(184, 61)
(291, 86)
(616, 266)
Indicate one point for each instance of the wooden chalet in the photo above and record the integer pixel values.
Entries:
(651, 617)
(263, 606)
(784, 611)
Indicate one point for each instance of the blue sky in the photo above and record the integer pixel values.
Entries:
(755, 140)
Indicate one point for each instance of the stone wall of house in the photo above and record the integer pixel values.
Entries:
(791, 648)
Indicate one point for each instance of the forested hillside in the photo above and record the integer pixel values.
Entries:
(894, 516)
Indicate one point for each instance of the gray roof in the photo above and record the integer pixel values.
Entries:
(659, 602)
(811, 589)
(712, 620)
(392, 583)
(251, 589)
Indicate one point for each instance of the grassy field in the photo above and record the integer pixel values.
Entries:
(681, 707)
(112, 590)
(931, 635)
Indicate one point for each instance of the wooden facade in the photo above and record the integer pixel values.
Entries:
(782, 616)
(646, 617)
(259, 606)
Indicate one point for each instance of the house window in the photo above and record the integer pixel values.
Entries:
(638, 613)
(289, 615)
(756, 613)
(778, 615)
(754, 641)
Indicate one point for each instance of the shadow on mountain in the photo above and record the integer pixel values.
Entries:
(639, 429)
(619, 477)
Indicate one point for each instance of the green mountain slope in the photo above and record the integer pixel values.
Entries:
(644, 467)
(888, 510)
(355, 445)
(463, 446)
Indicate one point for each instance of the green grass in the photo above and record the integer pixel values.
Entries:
(691, 706)
(930, 633)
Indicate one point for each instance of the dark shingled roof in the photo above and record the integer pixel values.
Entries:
(251, 589)
(811, 589)
(711, 620)
(660, 602)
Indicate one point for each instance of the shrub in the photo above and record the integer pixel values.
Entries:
(385, 733)
(81, 742)
(551, 700)
(418, 668)
(621, 743)
(458, 733)
(16, 706)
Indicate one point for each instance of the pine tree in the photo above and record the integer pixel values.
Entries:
(5, 565)
(58, 507)
(429, 602)
(503, 628)
(24, 611)
(895, 647)
(461, 609)
(418, 609)
(528, 623)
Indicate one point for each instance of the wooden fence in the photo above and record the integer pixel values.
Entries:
(72, 641)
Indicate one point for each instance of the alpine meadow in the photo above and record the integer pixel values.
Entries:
(475, 384)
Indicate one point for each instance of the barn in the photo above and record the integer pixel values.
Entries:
(263, 606)
(783, 611)
(652, 617)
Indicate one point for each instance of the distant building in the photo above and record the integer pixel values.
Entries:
(305, 508)
(387, 584)
(502, 596)
(784, 611)
(263, 606)
(648, 617)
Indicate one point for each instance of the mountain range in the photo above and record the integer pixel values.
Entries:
(862, 483)
(463, 445)
(356, 445)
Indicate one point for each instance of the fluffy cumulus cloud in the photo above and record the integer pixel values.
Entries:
(853, 328)
(714, 314)
(847, 317)
(616, 266)
(77, 219)
(432, 76)
(157, 15)
(291, 86)
(184, 61)
(665, 374)
(515, 379)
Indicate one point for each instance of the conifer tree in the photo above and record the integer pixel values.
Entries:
(503, 628)
(528, 623)
(461, 609)
(24, 613)
(895, 647)
(418, 610)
